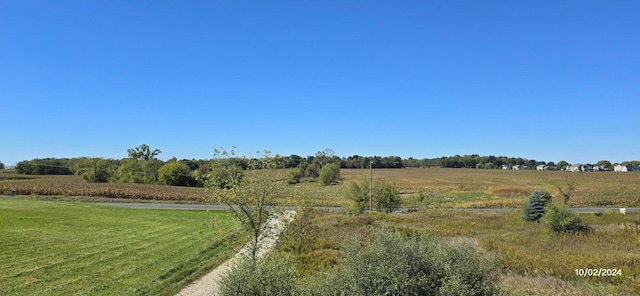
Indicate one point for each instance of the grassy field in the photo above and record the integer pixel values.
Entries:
(533, 260)
(72, 248)
(498, 188)
(439, 188)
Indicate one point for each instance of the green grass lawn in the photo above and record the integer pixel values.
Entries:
(73, 248)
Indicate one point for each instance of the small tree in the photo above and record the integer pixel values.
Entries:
(385, 195)
(329, 173)
(358, 192)
(534, 209)
(249, 200)
(1, 165)
(566, 190)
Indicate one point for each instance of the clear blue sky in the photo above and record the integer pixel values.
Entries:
(544, 80)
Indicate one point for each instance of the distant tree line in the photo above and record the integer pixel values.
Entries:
(143, 166)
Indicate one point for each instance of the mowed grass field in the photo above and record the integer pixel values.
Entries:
(532, 260)
(73, 248)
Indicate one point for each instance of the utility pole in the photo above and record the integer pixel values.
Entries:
(370, 186)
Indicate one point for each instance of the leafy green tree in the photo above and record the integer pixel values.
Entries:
(358, 192)
(561, 219)
(605, 163)
(562, 164)
(534, 209)
(329, 173)
(98, 172)
(143, 152)
(224, 171)
(175, 174)
(1, 165)
(386, 196)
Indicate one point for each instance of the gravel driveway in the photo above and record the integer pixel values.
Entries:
(208, 284)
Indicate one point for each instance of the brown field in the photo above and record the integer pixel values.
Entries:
(498, 188)
(75, 186)
(459, 188)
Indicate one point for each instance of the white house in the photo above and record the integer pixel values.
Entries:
(573, 168)
(505, 167)
(517, 167)
(625, 168)
(542, 167)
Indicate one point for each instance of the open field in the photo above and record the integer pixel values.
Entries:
(71, 248)
(533, 260)
(498, 188)
(460, 188)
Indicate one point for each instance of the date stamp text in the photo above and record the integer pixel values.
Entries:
(598, 272)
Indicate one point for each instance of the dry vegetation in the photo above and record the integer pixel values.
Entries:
(76, 186)
(498, 188)
(459, 188)
(527, 252)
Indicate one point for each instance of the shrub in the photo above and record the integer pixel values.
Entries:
(329, 173)
(561, 219)
(273, 276)
(294, 176)
(534, 208)
(392, 264)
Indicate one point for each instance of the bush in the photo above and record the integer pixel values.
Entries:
(393, 264)
(534, 208)
(250, 276)
(561, 219)
(329, 174)
(175, 174)
(294, 176)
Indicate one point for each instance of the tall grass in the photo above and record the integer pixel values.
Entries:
(527, 251)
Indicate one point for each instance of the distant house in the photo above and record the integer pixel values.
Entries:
(505, 167)
(600, 168)
(573, 168)
(517, 167)
(586, 168)
(625, 168)
(543, 167)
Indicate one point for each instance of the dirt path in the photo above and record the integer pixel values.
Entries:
(208, 284)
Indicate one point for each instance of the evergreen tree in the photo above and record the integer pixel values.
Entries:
(534, 208)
